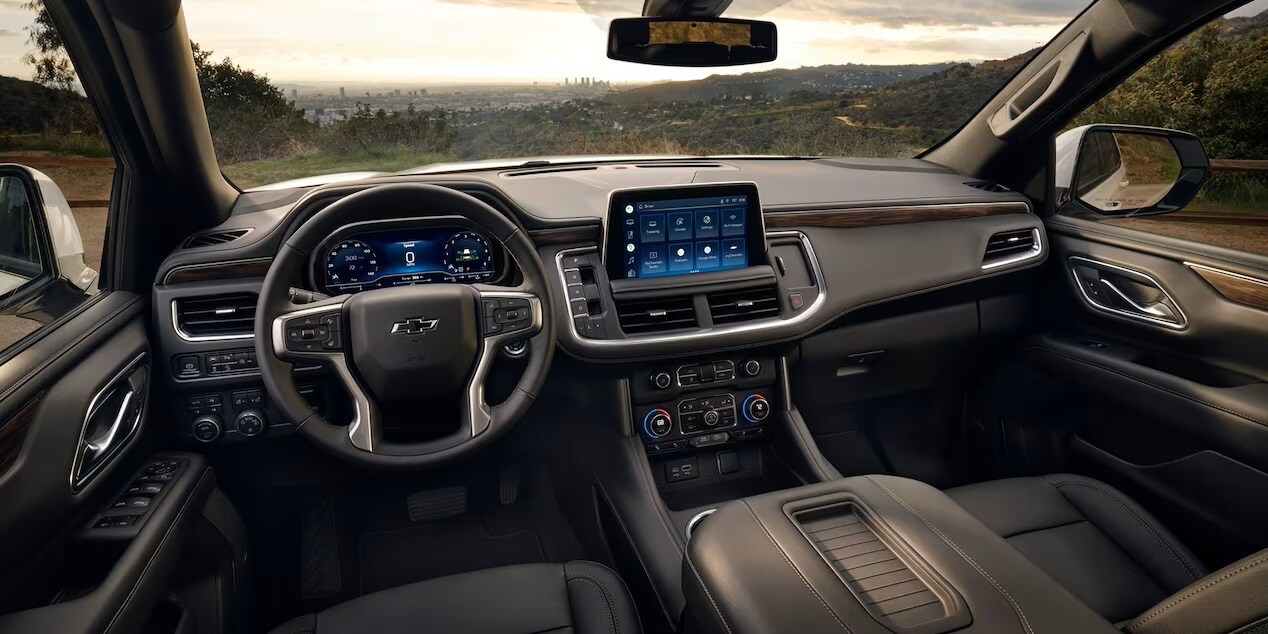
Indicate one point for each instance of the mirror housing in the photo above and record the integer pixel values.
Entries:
(1107, 170)
(42, 254)
(703, 42)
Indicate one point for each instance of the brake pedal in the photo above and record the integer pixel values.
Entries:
(509, 484)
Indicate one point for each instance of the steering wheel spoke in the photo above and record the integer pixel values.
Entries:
(506, 315)
(318, 333)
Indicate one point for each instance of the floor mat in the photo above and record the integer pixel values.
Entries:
(440, 548)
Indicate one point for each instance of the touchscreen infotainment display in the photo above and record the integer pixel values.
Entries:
(684, 230)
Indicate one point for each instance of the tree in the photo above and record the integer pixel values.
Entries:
(48, 61)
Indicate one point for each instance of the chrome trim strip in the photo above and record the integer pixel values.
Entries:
(79, 481)
(695, 520)
(1244, 278)
(700, 335)
(1093, 304)
(1035, 251)
(188, 337)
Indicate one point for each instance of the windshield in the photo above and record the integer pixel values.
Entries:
(299, 89)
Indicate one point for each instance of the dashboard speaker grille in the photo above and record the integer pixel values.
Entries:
(217, 315)
(641, 316)
(746, 305)
(1008, 244)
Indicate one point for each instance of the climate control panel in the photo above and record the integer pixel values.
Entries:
(682, 406)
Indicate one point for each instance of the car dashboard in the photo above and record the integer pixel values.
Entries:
(830, 237)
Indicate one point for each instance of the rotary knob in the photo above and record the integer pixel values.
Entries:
(662, 380)
(756, 408)
(658, 423)
(712, 417)
(206, 428)
(752, 367)
(250, 423)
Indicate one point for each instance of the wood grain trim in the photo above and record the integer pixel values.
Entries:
(566, 235)
(1235, 287)
(218, 271)
(896, 215)
(13, 432)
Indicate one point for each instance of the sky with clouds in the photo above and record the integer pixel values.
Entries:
(547, 40)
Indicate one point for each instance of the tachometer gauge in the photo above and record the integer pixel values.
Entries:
(351, 262)
(467, 254)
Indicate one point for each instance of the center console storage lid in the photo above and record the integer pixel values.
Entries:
(867, 554)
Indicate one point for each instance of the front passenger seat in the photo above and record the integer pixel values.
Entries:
(1103, 547)
(579, 596)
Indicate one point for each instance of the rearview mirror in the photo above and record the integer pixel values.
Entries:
(703, 42)
(1121, 170)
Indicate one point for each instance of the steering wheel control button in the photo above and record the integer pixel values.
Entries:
(756, 408)
(204, 429)
(658, 423)
(662, 380)
(250, 423)
(752, 367)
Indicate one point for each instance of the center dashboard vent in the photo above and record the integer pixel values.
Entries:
(213, 238)
(1008, 246)
(641, 316)
(747, 305)
(229, 315)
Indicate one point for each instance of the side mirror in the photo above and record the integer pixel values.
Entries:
(42, 270)
(1127, 170)
(701, 42)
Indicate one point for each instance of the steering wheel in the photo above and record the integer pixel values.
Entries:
(399, 344)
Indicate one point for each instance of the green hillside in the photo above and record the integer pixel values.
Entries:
(779, 82)
(26, 107)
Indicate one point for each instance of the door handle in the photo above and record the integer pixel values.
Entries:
(113, 417)
(1154, 309)
(1124, 292)
(98, 446)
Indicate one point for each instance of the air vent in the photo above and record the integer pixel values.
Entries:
(994, 188)
(215, 237)
(747, 305)
(642, 316)
(1010, 246)
(217, 316)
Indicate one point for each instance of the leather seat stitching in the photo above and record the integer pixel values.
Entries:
(614, 624)
(948, 541)
(707, 594)
(1150, 384)
(1198, 590)
(1175, 554)
(794, 568)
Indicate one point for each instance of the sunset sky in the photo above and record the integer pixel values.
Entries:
(437, 41)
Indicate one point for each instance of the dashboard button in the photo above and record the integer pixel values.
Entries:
(579, 308)
(576, 292)
(188, 366)
(662, 380)
(572, 277)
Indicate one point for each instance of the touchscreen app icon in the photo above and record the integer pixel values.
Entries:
(629, 209)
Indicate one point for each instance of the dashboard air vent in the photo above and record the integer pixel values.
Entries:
(1008, 245)
(214, 237)
(230, 315)
(746, 305)
(639, 316)
(994, 188)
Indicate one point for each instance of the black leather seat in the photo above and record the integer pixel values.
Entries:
(576, 597)
(1094, 540)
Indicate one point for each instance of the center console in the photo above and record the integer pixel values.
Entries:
(867, 554)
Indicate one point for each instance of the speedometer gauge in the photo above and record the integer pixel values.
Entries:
(351, 262)
(468, 254)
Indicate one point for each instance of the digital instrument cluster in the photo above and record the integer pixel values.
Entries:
(401, 257)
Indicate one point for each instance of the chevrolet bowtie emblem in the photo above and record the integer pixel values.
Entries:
(414, 326)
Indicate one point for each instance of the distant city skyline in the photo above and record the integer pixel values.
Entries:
(413, 43)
